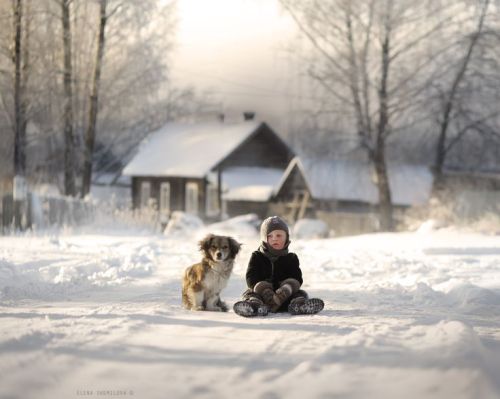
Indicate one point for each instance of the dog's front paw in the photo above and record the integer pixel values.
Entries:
(215, 308)
(223, 306)
(199, 308)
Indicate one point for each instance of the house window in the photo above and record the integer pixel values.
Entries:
(212, 200)
(145, 193)
(165, 197)
(192, 198)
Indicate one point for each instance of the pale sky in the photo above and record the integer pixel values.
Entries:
(236, 49)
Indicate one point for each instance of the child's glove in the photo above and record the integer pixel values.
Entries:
(282, 294)
(265, 290)
(287, 288)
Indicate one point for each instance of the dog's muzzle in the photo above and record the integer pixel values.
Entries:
(218, 255)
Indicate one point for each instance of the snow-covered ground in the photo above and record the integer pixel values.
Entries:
(95, 313)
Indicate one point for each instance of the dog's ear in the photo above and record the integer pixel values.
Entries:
(205, 243)
(234, 246)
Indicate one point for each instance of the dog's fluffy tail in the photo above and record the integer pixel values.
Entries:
(185, 298)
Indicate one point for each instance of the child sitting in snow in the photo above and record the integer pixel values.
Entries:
(274, 276)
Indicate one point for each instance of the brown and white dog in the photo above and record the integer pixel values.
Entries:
(203, 282)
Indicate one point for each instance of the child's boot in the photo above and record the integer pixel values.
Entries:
(305, 306)
(250, 309)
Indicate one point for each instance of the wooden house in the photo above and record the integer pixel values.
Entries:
(209, 169)
(343, 192)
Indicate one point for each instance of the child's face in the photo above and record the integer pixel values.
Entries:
(277, 239)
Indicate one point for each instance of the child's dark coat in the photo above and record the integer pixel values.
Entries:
(260, 268)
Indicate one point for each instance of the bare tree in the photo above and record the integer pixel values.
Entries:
(69, 144)
(369, 60)
(130, 99)
(14, 76)
(377, 152)
(449, 103)
(94, 97)
(19, 110)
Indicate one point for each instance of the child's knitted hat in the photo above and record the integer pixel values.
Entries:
(273, 223)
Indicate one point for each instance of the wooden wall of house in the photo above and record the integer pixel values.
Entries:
(351, 206)
(282, 209)
(235, 208)
(293, 195)
(177, 192)
(295, 182)
(279, 209)
(343, 217)
(348, 223)
(134, 184)
(263, 149)
(5, 189)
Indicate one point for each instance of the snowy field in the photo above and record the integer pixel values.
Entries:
(96, 313)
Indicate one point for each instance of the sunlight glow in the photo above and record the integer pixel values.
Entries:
(231, 45)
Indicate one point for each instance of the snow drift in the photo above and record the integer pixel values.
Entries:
(98, 313)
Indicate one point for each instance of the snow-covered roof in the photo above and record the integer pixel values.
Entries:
(353, 181)
(250, 183)
(188, 150)
(107, 179)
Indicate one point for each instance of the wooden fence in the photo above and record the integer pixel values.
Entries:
(42, 212)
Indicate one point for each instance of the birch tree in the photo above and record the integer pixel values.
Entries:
(69, 144)
(94, 98)
(19, 102)
(57, 77)
(15, 68)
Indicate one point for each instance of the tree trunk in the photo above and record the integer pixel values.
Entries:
(385, 202)
(384, 191)
(94, 97)
(19, 112)
(441, 150)
(25, 69)
(69, 143)
(438, 182)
